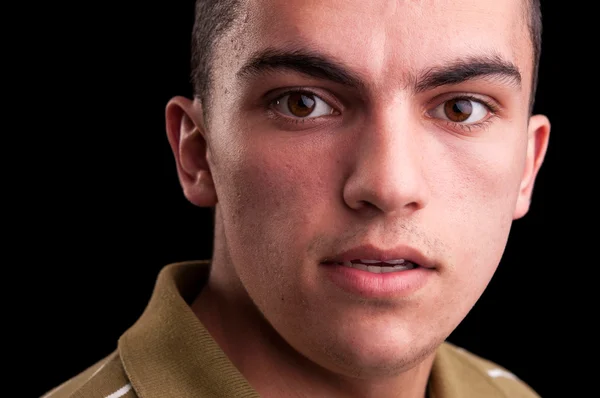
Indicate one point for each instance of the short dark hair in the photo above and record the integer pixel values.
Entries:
(533, 16)
(215, 17)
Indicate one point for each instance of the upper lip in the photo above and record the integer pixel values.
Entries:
(372, 252)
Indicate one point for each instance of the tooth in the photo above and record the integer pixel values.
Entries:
(400, 261)
(369, 261)
(361, 267)
(403, 267)
(374, 269)
(397, 265)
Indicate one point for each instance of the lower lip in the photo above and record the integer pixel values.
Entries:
(371, 285)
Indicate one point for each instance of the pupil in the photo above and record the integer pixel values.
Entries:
(459, 110)
(301, 105)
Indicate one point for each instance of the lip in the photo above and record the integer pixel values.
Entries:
(369, 285)
(372, 252)
(379, 286)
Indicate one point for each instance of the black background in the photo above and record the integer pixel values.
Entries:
(104, 209)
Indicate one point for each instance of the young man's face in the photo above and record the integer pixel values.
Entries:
(406, 149)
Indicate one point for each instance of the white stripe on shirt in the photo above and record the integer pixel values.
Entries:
(120, 392)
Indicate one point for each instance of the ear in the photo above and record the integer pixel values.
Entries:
(187, 137)
(537, 143)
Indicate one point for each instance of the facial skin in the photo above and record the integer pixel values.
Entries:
(377, 162)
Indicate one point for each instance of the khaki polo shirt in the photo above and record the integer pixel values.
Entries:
(169, 353)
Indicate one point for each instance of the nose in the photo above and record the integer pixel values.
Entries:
(388, 170)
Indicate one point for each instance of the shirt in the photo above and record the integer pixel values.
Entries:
(169, 353)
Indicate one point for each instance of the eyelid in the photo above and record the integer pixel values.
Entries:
(486, 101)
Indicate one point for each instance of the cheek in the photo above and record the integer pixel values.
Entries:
(269, 193)
(272, 202)
(482, 201)
(488, 175)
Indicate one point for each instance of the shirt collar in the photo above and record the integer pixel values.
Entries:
(169, 353)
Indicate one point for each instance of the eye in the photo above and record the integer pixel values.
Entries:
(302, 105)
(462, 110)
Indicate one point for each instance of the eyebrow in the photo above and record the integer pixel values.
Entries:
(492, 67)
(308, 63)
(320, 66)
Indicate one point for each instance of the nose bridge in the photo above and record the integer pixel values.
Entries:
(388, 171)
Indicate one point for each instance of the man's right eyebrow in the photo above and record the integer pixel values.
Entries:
(306, 62)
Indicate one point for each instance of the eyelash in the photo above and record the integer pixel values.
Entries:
(491, 107)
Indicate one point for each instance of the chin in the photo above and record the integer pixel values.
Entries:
(360, 356)
(380, 364)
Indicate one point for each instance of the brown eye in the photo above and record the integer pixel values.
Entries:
(458, 110)
(302, 105)
(461, 110)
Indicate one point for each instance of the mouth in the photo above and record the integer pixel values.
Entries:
(371, 272)
(400, 258)
(376, 266)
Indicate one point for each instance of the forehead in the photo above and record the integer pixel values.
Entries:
(385, 40)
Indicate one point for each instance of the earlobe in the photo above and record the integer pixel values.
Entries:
(187, 138)
(537, 144)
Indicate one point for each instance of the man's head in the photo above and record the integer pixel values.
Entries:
(390, 129)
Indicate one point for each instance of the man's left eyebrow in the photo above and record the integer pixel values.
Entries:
(492, 67)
